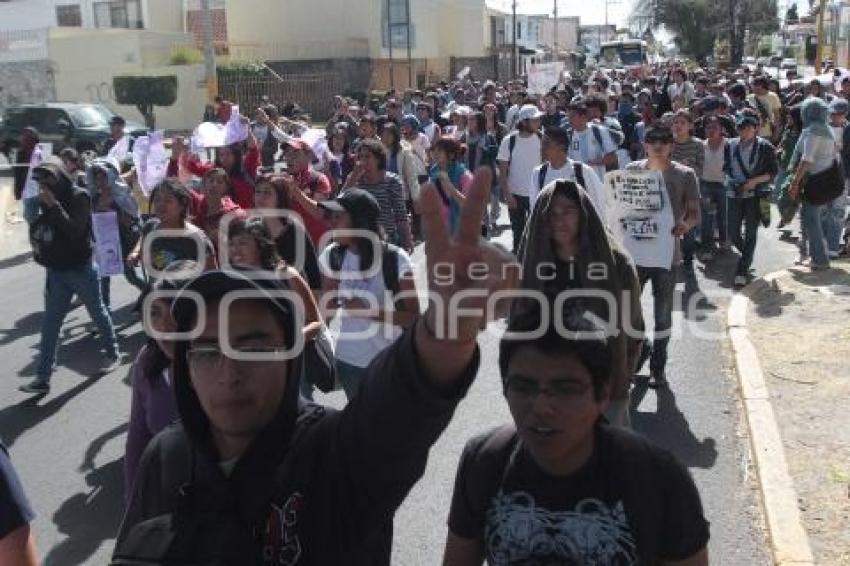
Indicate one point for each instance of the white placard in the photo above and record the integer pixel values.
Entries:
(642, 217)
(120, 150)
(210, 134)
(107, 243)
(151, 160)
(543, 76)
(41, 152)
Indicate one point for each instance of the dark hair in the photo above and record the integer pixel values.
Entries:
(340, 129)
(738, 90)
(480, 121)
(376, 148)
(796, 117)
(159, 361)
(392, 128)
(238, 153)
(659, 131)
(761, 81)
(453, 148)
(257, 229)
(599, 101)
(592, 352)
(682, 72)
(279, 189)
(686, 114)
(559, 136)
(218, 172)
(180, 192)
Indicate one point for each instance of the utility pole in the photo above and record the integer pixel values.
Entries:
(390, 40)
(209, 51)
(513, 48)
(819, 57)
(555, 32)
(409, 57)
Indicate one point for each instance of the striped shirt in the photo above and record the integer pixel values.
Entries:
(691, 154)
(390, 196)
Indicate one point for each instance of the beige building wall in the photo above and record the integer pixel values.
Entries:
(164, 15)
(85, 62)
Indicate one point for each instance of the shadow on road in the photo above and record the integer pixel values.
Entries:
(98, 443)
(88, 519)
(15, 260)
(27, 325)
(669, 429)
(21, 417)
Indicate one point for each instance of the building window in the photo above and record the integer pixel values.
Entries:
(118, 14)
(69, 16)
(397, 25)
(519, 30)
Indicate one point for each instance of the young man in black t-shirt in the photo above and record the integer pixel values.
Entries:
(559, 486)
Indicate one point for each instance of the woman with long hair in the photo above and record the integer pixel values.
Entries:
(289, 235)
(491, 122)
(402, 162)
(338, 159)
(359, 272)
(215, 203)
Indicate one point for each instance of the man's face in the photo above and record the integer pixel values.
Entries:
(298, 159)
(552, 151)
(239, 397)
(367, 130)
(747, 132)
(551, 104)
(658, 149)
(845, 88)
(116, 130)
(837, 119)
(759, 89)
(681, 127)
(551, 399)
(713, 131)
(578, 120)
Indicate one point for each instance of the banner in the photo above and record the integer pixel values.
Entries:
(107, 244)
(543, 76)
(641, 216)
(210, 134)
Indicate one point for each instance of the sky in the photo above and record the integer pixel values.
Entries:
(591, 11)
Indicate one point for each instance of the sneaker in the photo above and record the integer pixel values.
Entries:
(109, 365)
(740, 281)
(658, 379)
(37, 386)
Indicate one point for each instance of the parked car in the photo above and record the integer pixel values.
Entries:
(83, 126)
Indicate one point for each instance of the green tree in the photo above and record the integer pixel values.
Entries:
(694, 24)
(146, 92)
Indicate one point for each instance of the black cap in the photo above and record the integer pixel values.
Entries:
(117, 121)
(51, 169)
(357, 202)
(710, 103)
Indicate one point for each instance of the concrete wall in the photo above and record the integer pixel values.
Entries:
(163, 15)
(121, 52)
(25, 82)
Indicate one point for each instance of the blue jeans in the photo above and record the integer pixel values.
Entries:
(663, 284)
(813, 226)
(832, 220)
(744, 213)
(62, 285)
(351, 377)
(31, 209)
(713, 204)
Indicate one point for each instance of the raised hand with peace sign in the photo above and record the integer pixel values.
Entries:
(464, 272)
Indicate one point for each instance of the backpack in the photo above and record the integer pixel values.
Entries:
(578, 171)
(389, 265)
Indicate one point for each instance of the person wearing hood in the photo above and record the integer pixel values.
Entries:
(109, 193)
(62, 243)
(568, 248)
(815, 153)
(254, 475)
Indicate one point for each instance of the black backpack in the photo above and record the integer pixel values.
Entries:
(578, 171)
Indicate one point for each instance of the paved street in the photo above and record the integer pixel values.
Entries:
(68, 446)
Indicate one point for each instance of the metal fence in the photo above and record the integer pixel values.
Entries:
(312, 92)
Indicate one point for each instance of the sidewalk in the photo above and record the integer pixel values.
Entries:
(799, 323)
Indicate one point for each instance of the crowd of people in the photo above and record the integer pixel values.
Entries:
(303, 233)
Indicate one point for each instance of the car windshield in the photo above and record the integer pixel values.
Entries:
(90, 116)
(622, 55)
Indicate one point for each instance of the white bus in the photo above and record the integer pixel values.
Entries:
(629, 54)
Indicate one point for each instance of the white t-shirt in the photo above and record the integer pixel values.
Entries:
(420, 146)
(360, 340)
(819, 151)
(712, 168)
(585, 148)
(594, 187)
(525, 157)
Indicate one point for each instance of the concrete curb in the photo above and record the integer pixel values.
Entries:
(789, 541)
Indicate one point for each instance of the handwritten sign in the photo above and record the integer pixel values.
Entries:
(107, 242)
(41, 152)
(151, 160)
(543, 76)
(642, 217)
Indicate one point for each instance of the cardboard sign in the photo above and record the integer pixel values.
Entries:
(543, 76)
(642, 217)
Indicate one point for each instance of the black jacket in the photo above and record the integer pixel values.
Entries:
(61, 237)
(319, 490)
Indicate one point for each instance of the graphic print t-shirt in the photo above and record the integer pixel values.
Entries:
(613, 511)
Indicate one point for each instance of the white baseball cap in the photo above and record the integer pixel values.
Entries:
(529, 112)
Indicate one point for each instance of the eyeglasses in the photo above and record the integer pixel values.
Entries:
(210, 357)
(526, 391)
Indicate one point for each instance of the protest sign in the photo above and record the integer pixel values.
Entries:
(543, 76)
(107, 242)
(151, 160)
(41, 152)
(120, 150)
(641, 216)
(210, 134)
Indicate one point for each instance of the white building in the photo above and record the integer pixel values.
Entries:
(159, 15)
